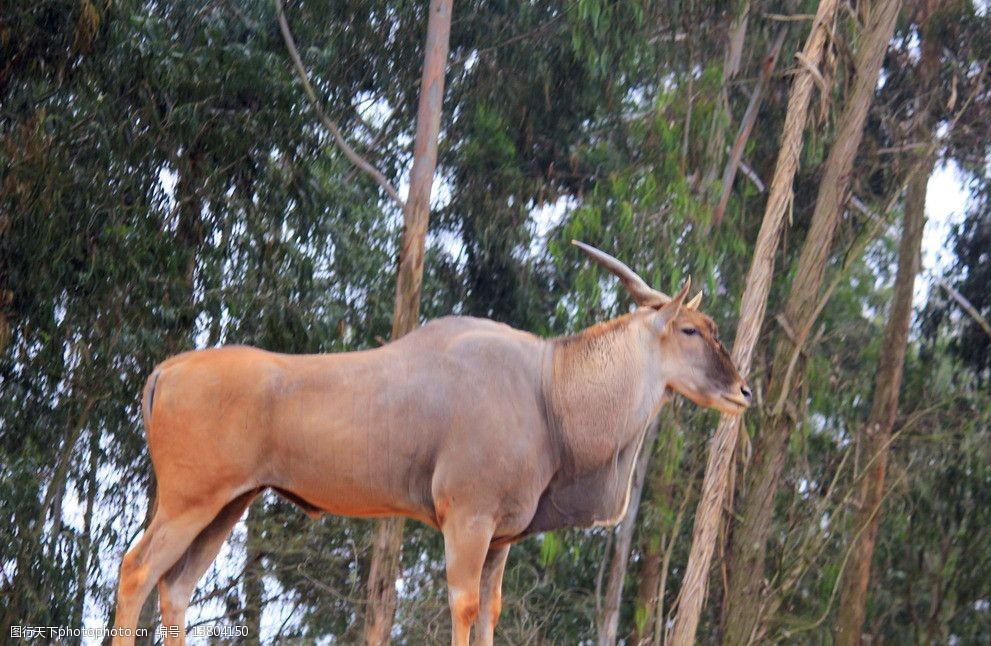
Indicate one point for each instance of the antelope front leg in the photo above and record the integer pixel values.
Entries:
(491, 595)
(466, 543)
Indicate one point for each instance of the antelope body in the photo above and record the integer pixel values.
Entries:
(482, 431)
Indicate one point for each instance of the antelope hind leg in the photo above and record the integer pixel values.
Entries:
(165, 540)
(176, 587)
(466, 543)
(491, 595)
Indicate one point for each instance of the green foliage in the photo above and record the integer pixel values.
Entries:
(164, 186)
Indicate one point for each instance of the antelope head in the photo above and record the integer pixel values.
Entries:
(694, 361)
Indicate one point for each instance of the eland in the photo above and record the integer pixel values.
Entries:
(487, 433)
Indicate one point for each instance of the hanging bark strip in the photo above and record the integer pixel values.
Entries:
(743, 620)
(752, 308)
(747, 124)
(735, 36)
(381, 607)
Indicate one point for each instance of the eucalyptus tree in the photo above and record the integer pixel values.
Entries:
(760, 485)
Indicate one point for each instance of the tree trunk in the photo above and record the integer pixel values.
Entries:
(748, 544)
(86, 540)
(381, 607)
(758, 286)
(646, 600)
(608, 620)
(146, 618)
(253, 573)
(875, 436)
(665, 472)
(32, 540)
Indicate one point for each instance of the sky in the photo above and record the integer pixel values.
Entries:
(946, 201)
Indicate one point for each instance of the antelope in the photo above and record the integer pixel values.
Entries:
(482, 431)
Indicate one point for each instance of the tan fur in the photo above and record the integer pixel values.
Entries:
(480, 430)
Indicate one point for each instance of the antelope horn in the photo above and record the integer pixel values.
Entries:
(642, 294)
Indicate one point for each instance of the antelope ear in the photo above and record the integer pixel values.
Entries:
(695, 302)
(667, 313)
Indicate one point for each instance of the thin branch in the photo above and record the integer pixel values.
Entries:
(536, 31)
(966, 305)
(335, 132)
(798, 17)
(752, 175)
(601, 574)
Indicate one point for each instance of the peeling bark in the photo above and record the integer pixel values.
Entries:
(749, 542)
(752, 308)
(735, 37)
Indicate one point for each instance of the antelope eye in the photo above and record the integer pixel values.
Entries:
(690, 331)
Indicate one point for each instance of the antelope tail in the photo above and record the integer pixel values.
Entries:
(148, 399)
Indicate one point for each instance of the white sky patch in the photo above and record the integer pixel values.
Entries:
(946, 203)
(373, 110)
(167, 179)
(546, 218)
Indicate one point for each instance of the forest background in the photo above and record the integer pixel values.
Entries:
(165, 184)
